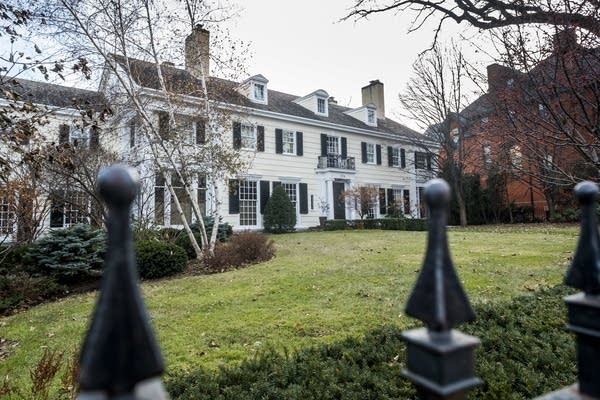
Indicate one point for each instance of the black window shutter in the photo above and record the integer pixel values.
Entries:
(163, 125)
(94, 138)
(260, 138)
(63, 134)
(390, 199)
(132, 134)
(402, 158)
(299, 144)
(382, 205)
(264, 195)
(378, 148)
(429, 161)
(344, 147)
(303, 198)
(363, 150)
(200, 132)
(390, 151)
(234, 197)
(279, 141)
(323, 144)
(237, 135)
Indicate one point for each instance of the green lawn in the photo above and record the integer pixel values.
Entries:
(321, 287)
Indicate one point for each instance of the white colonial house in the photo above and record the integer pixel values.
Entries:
(307, 143)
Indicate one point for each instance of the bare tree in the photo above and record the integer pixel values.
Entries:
(435, 97)
(114, 33)
(362, 199)
(485, 14)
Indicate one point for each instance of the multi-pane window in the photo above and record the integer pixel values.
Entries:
(202, 193)
(371, 153)
(162, 198)
(289, 142)
(516, 157)
(371, 116)
(69, 208)
(79, 137)
(290, 189)
(333, 145)
(259, 92)
(321, 106)
(248, 137)
(420, 160)
(248, 202)
(406, 201)
(395, 157)
(6, 215)
(487, 159)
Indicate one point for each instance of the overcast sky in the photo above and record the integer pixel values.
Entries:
(300, 46)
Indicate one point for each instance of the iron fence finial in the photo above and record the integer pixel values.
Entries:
(119, 351)
(440, 360)
(438, 298)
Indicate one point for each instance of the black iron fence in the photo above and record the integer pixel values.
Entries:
(121, 360)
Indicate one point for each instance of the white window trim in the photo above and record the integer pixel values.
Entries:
(374, 153)
(294, 142)
(339, 144)
(325, 105)
(257, 206)
(254, 130)
(374, 115)
(265, 99)
(398, 161)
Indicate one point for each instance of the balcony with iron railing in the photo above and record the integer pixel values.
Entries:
(335, 161)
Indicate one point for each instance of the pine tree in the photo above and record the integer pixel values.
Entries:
(280, 214)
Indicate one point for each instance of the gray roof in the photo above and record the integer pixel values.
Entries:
(182, 82)
(55, 95)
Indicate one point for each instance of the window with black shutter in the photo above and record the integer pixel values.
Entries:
(260, 138)
(132, 134)
(303, 198)
(200, 126)
(63, 134)
(378, 149)
(363, 151)
(299, 144)
(402, 158)
(164, 129)
(234, 199)
(382, 203)
(265, 194)
(344, 147)
(279, 141)
(390, 151)
(323, 145)
(94, 138)
(237, 135)
(390, 201)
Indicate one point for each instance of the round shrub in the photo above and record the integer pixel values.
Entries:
(280, 214)
(158, 259)
(183, 241)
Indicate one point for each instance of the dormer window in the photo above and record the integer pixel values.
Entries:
(371, 117)
(259, 92)
(321, 106)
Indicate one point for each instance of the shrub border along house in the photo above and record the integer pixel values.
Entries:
(398, 224)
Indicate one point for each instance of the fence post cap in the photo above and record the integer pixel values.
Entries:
(586, 192)
(437, 193)
(118, 184)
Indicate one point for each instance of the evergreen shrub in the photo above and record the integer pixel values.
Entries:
(280, 214)
(525, 352)
(225, 230)
(157, 259)
(70, 254)
(183, 241)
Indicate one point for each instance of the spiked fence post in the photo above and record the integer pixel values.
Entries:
(120, 358)
(584, 307)
(440, 360)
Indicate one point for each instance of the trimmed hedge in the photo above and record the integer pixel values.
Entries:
(525, 352)
(399, 224)
(157, 259)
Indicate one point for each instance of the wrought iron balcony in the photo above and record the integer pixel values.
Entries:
(336, 161)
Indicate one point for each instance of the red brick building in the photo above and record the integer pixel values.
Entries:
(536, 132)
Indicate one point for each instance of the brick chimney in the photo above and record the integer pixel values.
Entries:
(373, 93)
(197, 52)
(500, 76)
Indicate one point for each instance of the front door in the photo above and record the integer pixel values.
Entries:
(339, 207)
